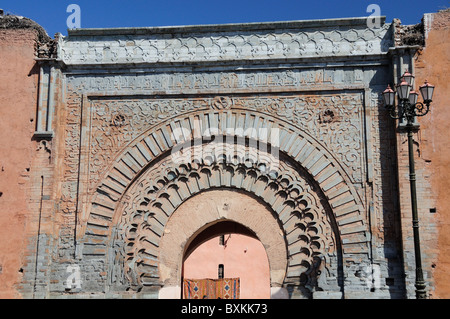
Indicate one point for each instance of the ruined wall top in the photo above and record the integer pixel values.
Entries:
(45, 46)
(227, 42)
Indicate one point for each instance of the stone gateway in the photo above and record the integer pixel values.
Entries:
(257, 151)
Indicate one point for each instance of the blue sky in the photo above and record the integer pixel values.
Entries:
(52, 15)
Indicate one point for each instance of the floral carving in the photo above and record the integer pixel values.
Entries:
(340, 133)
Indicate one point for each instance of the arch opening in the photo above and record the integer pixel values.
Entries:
(226, 252)
(210, 214)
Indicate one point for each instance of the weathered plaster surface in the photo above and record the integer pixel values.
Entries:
(433, 64)
(18, 87)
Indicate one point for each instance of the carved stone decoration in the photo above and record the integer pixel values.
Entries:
(69, 186)
(297, 40)
(118, 120)
(308, 227)
(331, 119)
(327, 116)
(221, 103)
(225, 81)
(303, 149)
(126, 105)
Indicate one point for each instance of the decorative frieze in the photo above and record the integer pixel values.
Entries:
(224, 81)
(166, 45)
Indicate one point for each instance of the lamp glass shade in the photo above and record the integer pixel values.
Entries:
(426, 90)
(389, 96)
(408, 78)
(413, 96)
(403, 90)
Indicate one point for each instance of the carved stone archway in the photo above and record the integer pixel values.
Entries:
(315, 204)
(301, 221)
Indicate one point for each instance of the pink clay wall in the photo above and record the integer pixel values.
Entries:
(242, 256)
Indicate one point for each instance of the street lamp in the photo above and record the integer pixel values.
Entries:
(408, 108)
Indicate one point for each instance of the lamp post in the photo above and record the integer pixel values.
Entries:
(408, 108)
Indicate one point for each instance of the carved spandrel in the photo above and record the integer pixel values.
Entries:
(332, 119)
